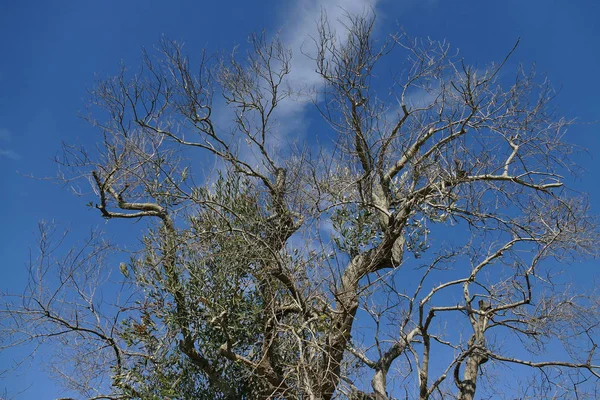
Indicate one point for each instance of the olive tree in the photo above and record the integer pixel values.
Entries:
(408, 250)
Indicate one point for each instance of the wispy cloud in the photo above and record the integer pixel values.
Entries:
(5, 138)
(301, 30)
(9, 154)
(299, 22)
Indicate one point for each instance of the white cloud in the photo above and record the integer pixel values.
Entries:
(5, 137)
(301, 29)
(299, 23)
(9, 154)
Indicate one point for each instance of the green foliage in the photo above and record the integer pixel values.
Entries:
(356, 229)
(219, 269)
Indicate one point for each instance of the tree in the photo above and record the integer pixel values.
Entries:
(418, 250)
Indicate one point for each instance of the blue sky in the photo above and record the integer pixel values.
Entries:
(52, 51)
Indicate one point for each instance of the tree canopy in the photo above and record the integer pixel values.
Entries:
(408, 247)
